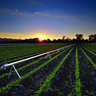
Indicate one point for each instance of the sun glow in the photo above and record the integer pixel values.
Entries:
(41, 38)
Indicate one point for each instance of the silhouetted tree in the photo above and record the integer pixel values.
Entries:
(68, 39)
(92, 37)
(63, 38)
(95, 37)
(48, 40)
(54, 40)
(79, 37)
(59, 40)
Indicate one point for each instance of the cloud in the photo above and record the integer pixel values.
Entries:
(74, 18)
(49, 15)
(26, 13)
(37, 13)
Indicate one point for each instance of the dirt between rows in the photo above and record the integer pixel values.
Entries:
(87, 74)
(64, 81)
(92, 56)
(30, 84)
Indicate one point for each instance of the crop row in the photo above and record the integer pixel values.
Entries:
(87, 73)
(13, 52)
(78, 83)
(49, 78)
(28, 74)
(15, 59)
(10, 52)
(89, 58)
(25, 66)
(57, 77)
(32, 51)
(90, 51)
(22, 70)
(92, 46)
(78, 86)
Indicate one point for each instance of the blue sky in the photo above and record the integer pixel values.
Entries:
(47, 18)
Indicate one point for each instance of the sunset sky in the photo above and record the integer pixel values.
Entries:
(47, 18)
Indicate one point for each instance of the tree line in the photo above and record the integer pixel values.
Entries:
(79, 39)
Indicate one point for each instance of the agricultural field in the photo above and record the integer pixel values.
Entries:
(11, 52)
(70, 71)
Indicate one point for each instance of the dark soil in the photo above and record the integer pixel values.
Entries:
(87, 75)
(64, 81)
(92, 56)
(30, 84)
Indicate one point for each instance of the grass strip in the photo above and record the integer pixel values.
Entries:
(89, 58)
(51, 76)
(78, 83)
(28, 74)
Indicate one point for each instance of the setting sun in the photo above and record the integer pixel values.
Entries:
(41, 38)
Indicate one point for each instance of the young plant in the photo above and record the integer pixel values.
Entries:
(89, 58)
(28, 74)
(78, 83)
(47, 81)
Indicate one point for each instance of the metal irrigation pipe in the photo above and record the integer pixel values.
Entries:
(6, 65)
